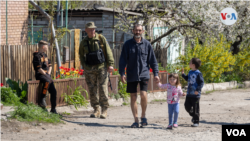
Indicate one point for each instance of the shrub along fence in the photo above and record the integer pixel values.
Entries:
(34, 88)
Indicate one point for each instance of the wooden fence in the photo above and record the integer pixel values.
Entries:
(34, 89)
(16, 62)
(116, 55)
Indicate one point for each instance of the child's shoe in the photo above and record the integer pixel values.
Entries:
(170, 126)
(175, 125)
(195, 125)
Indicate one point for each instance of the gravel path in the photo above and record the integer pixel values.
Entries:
(217, 108)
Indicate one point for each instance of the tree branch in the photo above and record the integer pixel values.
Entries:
(172, 30)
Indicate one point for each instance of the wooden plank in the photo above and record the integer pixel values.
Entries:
(18, 62)
(26, 63)
(1, 55)
(21, 62)
(2, 65)
(33, 72)
(7, 61)
(13, 62)
(10, 62)
(30, 62)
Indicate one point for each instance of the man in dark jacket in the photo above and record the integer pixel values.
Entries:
(137, 54)
(42, 67)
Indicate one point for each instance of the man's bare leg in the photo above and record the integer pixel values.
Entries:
(144, 103)
(133, 104)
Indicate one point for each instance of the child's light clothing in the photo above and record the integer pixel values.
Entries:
(173, 100)
(173, 93)
(173, 109)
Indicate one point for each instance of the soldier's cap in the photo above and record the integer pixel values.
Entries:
(90, 25)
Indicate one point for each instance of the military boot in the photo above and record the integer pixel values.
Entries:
(96, 113)
(104, 112)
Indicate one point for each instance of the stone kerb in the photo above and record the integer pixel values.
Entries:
(1, 106)
(221, 86)
(246, 84)
(207, 87)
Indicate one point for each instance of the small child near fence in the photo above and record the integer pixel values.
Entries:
(174, 92)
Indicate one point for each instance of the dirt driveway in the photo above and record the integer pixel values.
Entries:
(217, 108)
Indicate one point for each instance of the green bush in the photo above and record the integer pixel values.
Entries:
(215, 57)
(30, 112)
(21, 90)
(75, 98)
(122, 90)
(9, 96)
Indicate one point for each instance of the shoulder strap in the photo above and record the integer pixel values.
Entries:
(88, 46)
(101, 44)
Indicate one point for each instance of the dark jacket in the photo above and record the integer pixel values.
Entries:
(195, 83)
(40, 60)
(137, 57)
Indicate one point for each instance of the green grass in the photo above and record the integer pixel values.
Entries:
(31, 112)
(9, 97)
(209, 92)
(65, 113)
(125, 103)
(159, 100)
(26, 112)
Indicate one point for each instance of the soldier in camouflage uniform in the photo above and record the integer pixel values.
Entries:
(97, 72)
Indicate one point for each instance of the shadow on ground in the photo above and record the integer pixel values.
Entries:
(222, 123)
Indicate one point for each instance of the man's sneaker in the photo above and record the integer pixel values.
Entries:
(170, 127)
(43, 103)
(104, 113)
(96, 113)
(195, 125)
(192, 120)
(175, 125)
(53, 111)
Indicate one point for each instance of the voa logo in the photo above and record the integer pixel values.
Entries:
(236, 132)
(228, 16)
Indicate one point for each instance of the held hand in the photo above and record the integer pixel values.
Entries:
(123, 79)
(184, 94)
(196, 92)
(110, 69)
(182, 71)
(157, 79)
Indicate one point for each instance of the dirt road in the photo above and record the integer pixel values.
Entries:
(217, 108)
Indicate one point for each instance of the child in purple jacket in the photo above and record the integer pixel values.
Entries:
(174, 93)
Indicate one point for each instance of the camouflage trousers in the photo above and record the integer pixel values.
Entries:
(91, 77)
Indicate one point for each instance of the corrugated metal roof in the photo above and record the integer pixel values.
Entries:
(96, 7)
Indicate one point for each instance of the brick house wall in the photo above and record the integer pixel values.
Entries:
(17, 22)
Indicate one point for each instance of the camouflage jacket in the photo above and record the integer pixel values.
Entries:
(83, 50)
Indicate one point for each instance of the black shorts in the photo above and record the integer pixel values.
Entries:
(132, 86)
